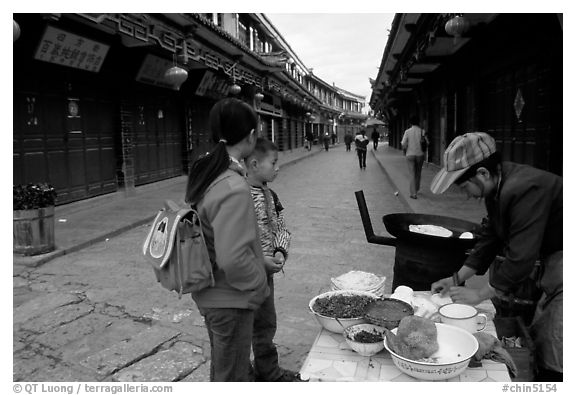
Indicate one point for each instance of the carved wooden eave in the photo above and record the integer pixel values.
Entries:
(417, 47)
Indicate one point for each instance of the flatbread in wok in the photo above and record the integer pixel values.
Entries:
(467, 235)
(431, 230)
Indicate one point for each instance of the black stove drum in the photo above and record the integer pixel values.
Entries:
(420, 259)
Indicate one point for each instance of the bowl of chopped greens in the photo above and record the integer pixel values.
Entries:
(337, 310)
(365, 339)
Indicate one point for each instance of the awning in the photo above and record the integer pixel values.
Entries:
(374, 121)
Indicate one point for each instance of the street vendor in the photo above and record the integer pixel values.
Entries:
(524, 227)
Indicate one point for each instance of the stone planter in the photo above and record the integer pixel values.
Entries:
(33, 231)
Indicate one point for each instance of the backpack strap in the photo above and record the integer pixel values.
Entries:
(218, 179)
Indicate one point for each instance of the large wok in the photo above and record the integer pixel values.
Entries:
(421, 259)
(398, 226)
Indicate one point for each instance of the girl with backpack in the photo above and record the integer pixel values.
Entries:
(218, 188)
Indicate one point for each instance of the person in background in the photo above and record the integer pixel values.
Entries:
(218, 188)
(262, 166)
(414, 154)
(361, 142)
(375, 138)
(524, 226)
(326, 141)
(309, 139)
(348, 140)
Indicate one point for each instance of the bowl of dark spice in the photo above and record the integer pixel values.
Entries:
(388, 312)
(365, 339)
(337, 310)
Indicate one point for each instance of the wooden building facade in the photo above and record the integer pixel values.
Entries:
(94, 111)
(497, 73)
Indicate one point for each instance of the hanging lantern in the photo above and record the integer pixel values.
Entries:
(258, 96)
(16, 30)
(457, 26)
(235, 89)
(176, 76)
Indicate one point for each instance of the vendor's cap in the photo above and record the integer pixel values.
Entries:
(464, 151)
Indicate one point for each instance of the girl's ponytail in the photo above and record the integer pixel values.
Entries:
(205, 170)
(231, 120)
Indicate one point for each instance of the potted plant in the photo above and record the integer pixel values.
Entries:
(33, 218)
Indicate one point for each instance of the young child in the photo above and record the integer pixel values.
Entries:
(275, 239)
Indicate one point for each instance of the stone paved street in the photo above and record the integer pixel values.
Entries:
(98, 314)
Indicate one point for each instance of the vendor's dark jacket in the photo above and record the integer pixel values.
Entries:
(524, 225)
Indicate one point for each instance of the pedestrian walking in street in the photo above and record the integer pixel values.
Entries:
(361, 142)
(524, 226)
(309, 139)
(326, 140)
(348, 140)
(411, 144)
(218, 187)
(375, 138)
(262, 167)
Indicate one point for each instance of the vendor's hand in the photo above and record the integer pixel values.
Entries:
(272, 265)
(442, 286)
(465, 295)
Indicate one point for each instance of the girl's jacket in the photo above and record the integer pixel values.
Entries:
(231, 232)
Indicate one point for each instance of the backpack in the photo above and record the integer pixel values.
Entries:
(176, 249)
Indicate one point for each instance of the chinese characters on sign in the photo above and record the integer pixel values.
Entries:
(67, 49)
(152, 71)
(212, 86)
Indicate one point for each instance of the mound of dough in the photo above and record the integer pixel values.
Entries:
(358, 280)
(431, 230)
(416, 338)
(403, 293)
(423, 307)
(440, 300)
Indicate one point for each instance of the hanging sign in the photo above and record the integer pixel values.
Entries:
(152, 71)
(67, 49)
(206, 82)
(211, 85)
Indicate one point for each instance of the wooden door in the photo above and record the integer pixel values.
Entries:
(515, 110)
(65, 140)
(158, 136)
(433, 131)
(199, 137)
(100, 126)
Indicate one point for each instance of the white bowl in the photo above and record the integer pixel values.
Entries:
(337, 325)
(364, 349)
(457, 346)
